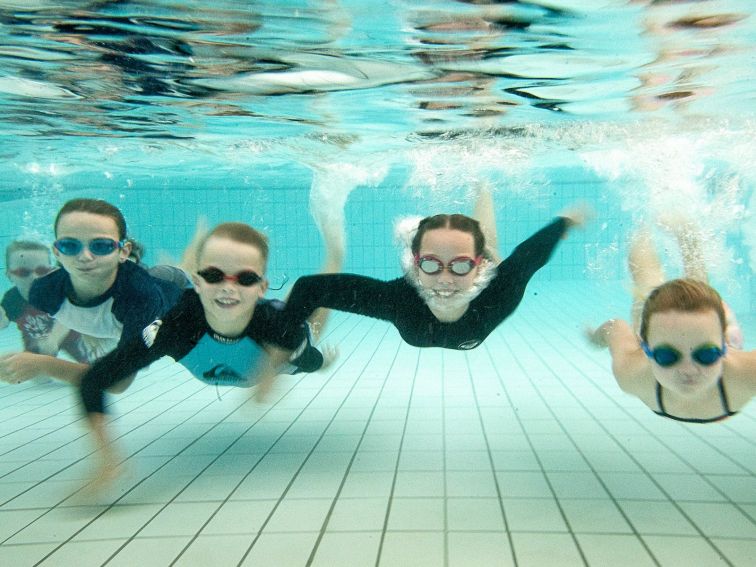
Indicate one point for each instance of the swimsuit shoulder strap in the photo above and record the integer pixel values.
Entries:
(659, 402)
(723, 398)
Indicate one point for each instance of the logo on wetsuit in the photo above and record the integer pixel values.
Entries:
(222, 374)
(468, 345)
(149, 334)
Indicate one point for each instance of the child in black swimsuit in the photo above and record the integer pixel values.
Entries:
(683, 358)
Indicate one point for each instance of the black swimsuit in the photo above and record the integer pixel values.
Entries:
(722, 397)
(398, 302)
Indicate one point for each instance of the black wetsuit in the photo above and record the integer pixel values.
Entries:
(398, 302)
(184, 335)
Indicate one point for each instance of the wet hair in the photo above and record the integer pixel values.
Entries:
(137, 252)
(457, 222)
(95, 207)
(24, 246)
(238, 232)
(684, 294)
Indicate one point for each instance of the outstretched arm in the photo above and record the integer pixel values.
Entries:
(19, 367)
(629, 363)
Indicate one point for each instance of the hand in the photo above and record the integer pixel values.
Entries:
(19, 367)
(330, 354)
(578, 214)
(599, 337)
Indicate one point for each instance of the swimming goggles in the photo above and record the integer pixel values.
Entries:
(213, 275)
(97, 246)
(666, 356)
(26, 272)
(459, 266)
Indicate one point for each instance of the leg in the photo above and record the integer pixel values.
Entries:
(645, 269)
(689, 239)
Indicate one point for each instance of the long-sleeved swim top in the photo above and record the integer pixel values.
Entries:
(398, 302)
(115, 317)
(185, 335)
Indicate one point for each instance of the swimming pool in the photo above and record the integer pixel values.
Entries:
(514, 453)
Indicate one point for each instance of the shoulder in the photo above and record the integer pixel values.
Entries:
(48, 292)
(135, 286)
(739, 376)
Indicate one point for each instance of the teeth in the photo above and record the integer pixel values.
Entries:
(445, 292)
(226, 301)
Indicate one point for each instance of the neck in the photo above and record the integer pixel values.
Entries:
(229, 327)
(88, 290)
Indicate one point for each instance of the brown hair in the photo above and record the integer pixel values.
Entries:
(238, 232)
(24, 245)
(456, 222)
(95, 207)
(684, 294)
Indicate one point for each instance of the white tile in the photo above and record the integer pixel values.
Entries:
(412, 483)
(214, 550)
(150, 551)
(347, 549)
(470, 548)
(576, 485)
(594, 516)
(676, 551)
(540, 549)
(419, 549)
(299, 515)
(239, 517)
(358, 514)
(417, 514)
(738, 551)
(614, 550)
(720, 520)
(180, 519)
(533, 515)
(523, 484)
(472, 483)
(659, 518)
(84, 553)
(278, 549)
(119, 522)
(474, 514)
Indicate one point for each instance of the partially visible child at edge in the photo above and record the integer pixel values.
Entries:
(96, 293)
(682, 355)
(222, 331)
(26, 261)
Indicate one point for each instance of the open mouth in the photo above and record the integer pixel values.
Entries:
(444, 292)
(226, 302)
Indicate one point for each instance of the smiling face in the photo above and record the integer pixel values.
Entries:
(91, 275)
(32, 261)
(228, 305)
(446, 244)
(686, 331)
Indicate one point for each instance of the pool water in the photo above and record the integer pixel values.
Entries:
(521, 452)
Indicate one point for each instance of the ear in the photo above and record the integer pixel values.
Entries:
(263, 286)
(195, 280)
(124, 252)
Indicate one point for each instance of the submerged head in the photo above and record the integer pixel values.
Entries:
(448, 251)
(90, 241)
(230, 278)
(25, 261)
(682, 329)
